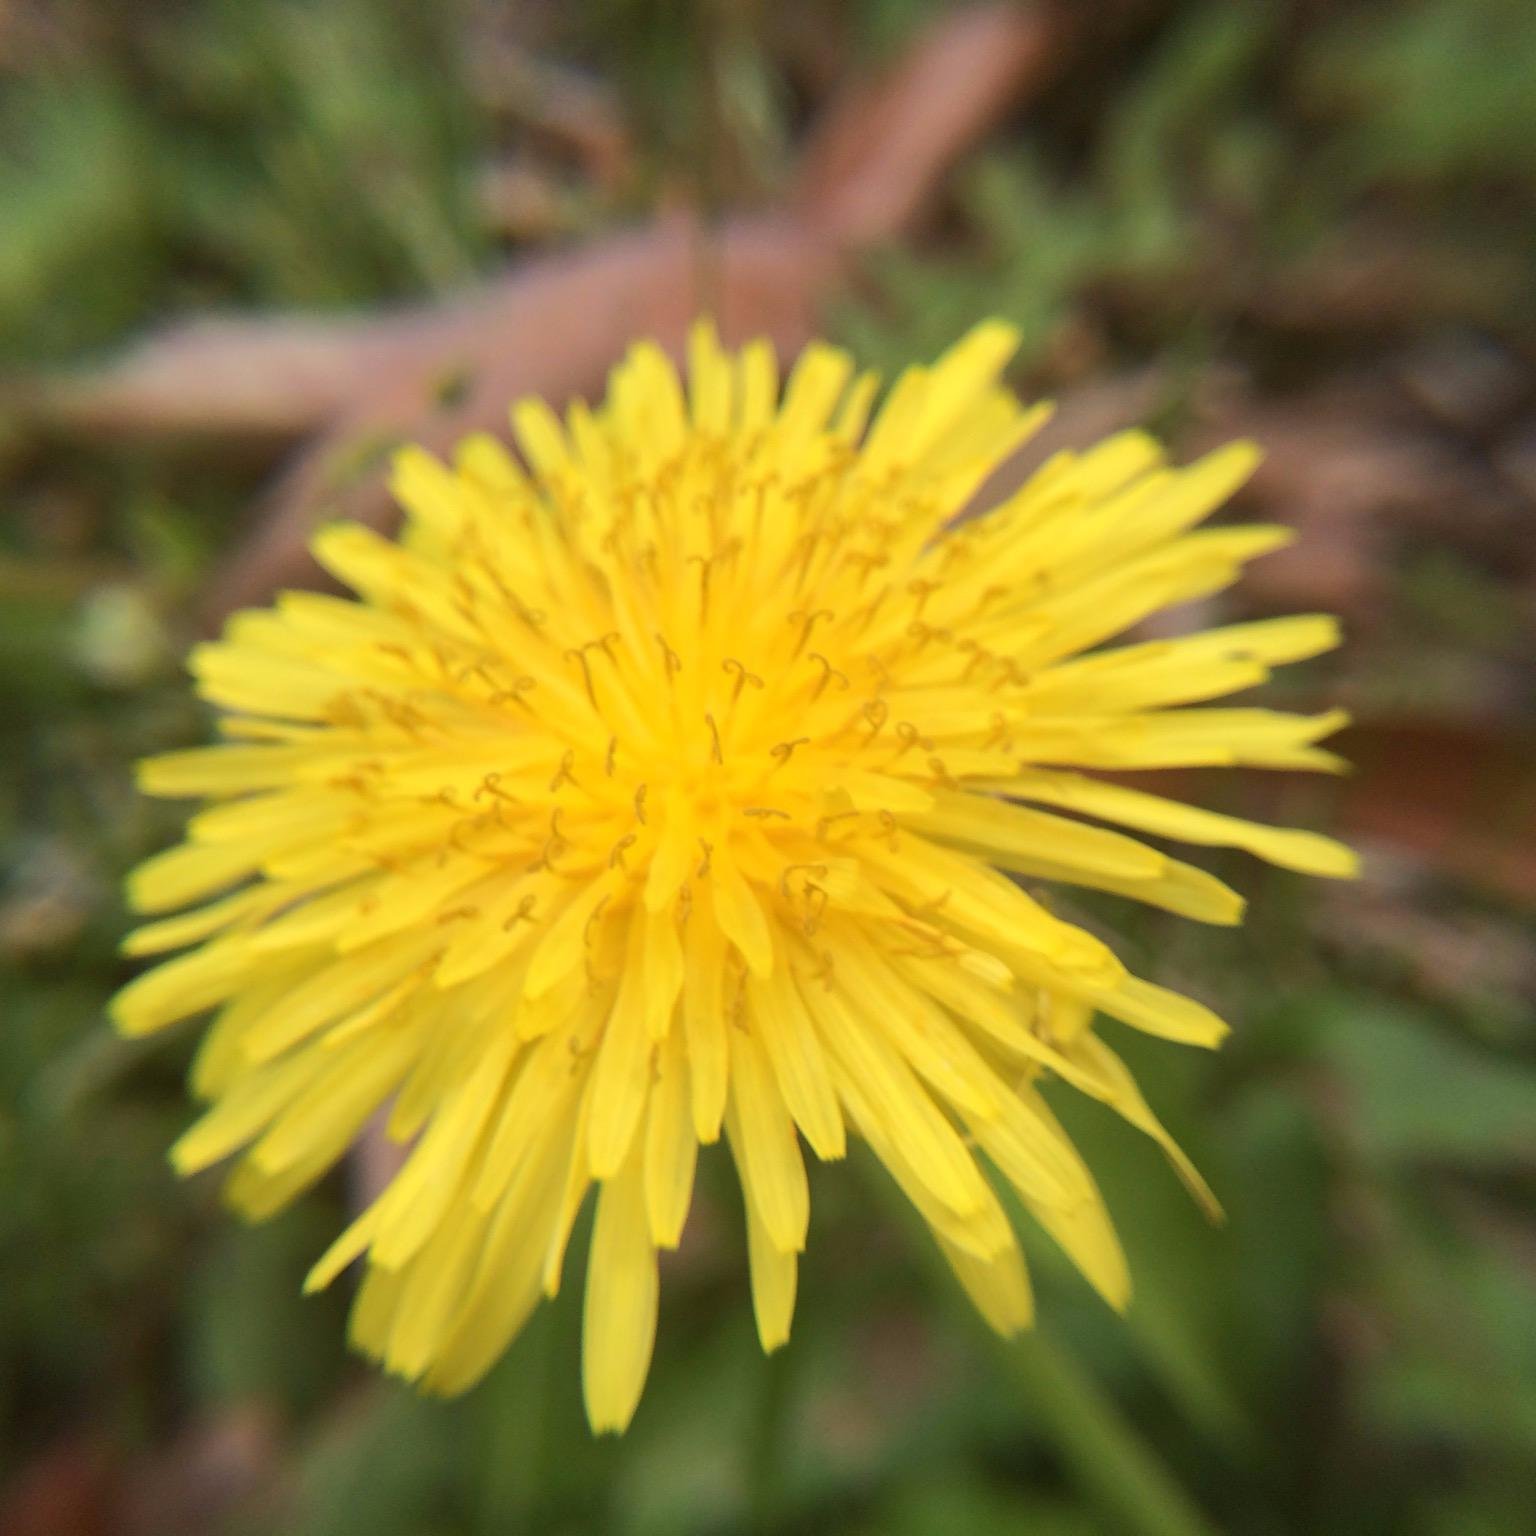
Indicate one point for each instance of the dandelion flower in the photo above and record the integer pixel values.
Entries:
(674, 781)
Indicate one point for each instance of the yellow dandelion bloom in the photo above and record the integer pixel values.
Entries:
(672, 782)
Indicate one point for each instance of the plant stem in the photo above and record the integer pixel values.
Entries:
(769, 1426)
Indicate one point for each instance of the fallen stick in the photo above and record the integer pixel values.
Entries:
(554, 325)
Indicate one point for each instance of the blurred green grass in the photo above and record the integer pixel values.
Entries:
(1353, 1351)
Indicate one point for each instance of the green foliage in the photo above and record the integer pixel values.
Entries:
(353, 170)
(1437, 91)
(1205, 177)
(287, 152)
(1177, 141)
(1422, 1093)
(77, 177)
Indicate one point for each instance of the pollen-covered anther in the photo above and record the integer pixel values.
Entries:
(808, 871)
(829, 674)
(670, 659)
(740, 676)
(825, 824)
(491, 785)
(807, 622)
(517, 693)
(1010, 672)
(922, 590)
(782, 751)
(941, 774)
(925, 634)
(816, 900)
(910, 737)
(998, 733)
(875, 712)
(553, 846)
(578, 654)
(826, 970)
(594, 921)
(865, 562)
(706, 564)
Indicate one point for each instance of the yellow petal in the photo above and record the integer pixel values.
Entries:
(621, 1075)
(773, 1273)
(1307, 852)
(998, 1286)
(778, 1016)
(187, 872)
(619, 1317)
(662, 969)
(740, 914)
(671, 1147)
(704, 1024)
(1156, 1011)
(859, 1052)
(766, 1150)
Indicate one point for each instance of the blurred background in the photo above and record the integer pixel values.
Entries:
(344, 222)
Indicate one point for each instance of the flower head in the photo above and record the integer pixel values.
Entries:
(675, 782)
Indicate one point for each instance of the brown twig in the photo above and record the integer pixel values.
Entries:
(553, 326)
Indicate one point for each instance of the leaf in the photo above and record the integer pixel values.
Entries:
(1275, 1180)
(382, 1464)
(253, 1334)
(1115, 1467)
(962, 1501)
(1421, 1093)
(1181, 1263)
(1458, 1299)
